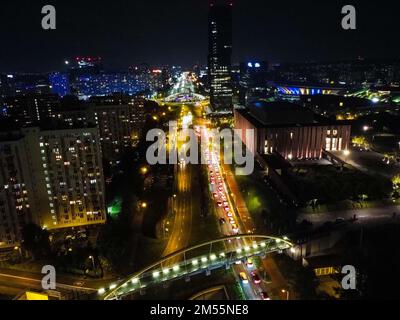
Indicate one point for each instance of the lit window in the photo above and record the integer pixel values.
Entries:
(328, 144)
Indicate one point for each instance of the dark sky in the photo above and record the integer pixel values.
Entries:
(161, 32)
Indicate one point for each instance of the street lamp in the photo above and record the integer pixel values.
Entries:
(287, 293)
(92, 258)
(144, 170)
(346, 154)
(144, 205)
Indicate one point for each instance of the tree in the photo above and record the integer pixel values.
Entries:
(36, 241)
(361, 142)
(396, 182)
(301, 280)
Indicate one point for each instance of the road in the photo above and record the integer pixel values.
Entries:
(183, 211)
(231, 222)
(15, 281)
(364, 216)
(182, 225)
(370, 162)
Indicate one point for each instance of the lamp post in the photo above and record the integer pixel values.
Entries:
(92, 258)
(287, 293)
(346, 154)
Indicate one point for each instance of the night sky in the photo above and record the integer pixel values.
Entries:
(171, 32)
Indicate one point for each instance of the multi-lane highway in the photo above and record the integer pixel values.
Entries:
(182, 206)
(232, 221)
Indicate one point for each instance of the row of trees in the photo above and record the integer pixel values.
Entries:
(330, 185)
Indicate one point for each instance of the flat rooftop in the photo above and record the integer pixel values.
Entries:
(272, 113)
(264, 114)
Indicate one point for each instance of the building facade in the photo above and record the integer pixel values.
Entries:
(16, 194)
(53, 178)
(219, 56)
(119, 126)
(119, 119)
(302, 140)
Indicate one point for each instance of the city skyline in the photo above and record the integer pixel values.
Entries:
(225, 150)
(108, 31)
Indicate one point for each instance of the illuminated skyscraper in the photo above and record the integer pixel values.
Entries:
(219, 56)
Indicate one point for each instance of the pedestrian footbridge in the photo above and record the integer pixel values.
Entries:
(202, 258)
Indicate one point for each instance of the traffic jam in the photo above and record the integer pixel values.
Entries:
(229, 226)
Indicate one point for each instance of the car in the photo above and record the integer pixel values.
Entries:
(339, 220)
(219, 203)
(222, 221)
(216, 195)
(226, 208)
(265, 296)
(232, 221)
(256, 278)
(249, 263)
(235, 231)
(229, 214)
(223, 197)
(212, 182)
(226, 203)
(220, 189)
(243, 277)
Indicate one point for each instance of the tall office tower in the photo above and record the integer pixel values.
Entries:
(53, 178)
(219, 56)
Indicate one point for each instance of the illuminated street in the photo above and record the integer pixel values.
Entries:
(182, 205)
(175, 153)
